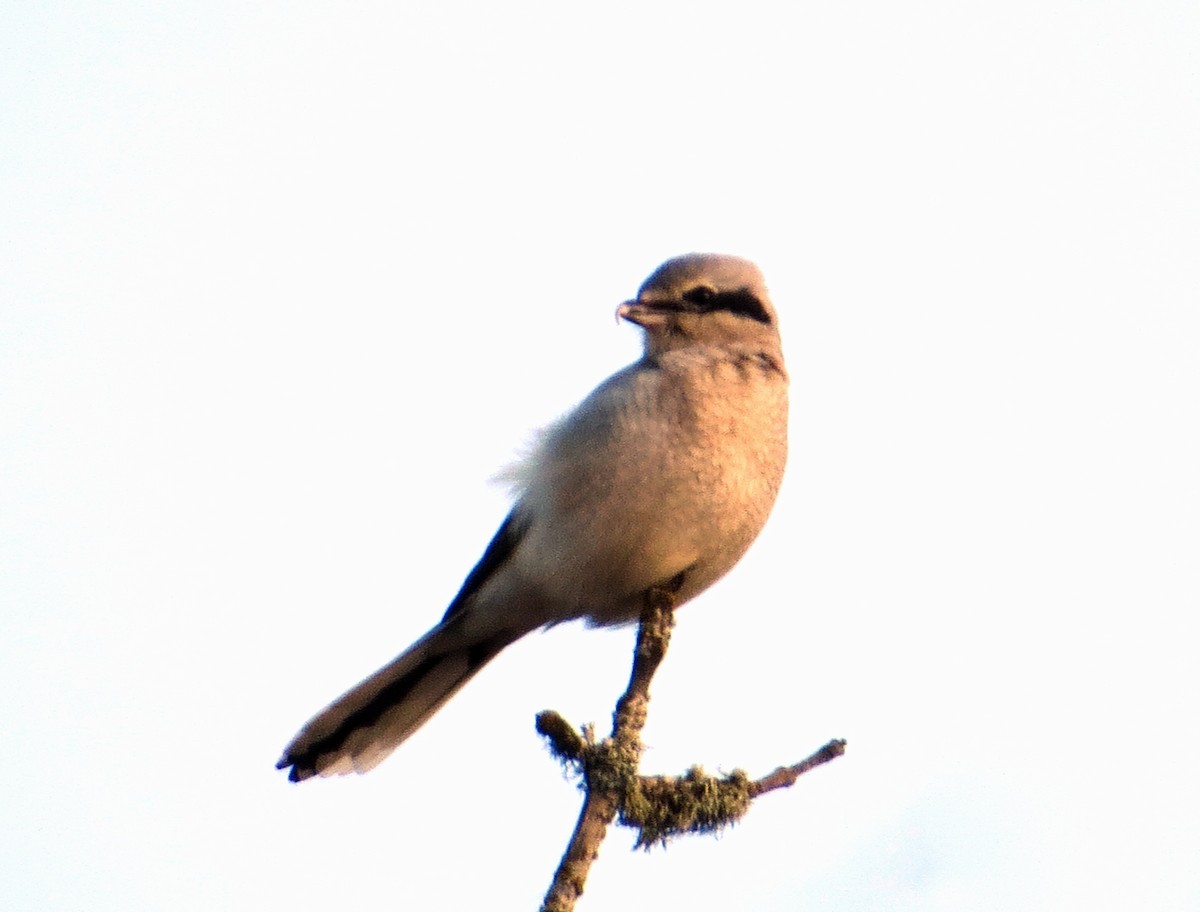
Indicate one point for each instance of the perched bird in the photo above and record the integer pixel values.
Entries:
(661, 477)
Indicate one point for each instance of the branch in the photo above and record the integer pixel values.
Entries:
(658, 807)
(608, 765)
(662, 807)
(786, 776)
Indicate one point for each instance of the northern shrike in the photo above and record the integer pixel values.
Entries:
(662, 477)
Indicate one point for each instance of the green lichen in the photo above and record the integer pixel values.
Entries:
(662, 807)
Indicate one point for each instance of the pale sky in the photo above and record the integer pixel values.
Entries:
(283, 285)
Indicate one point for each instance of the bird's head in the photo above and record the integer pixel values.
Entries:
(703, 298)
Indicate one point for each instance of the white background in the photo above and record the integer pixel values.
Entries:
(284, 284)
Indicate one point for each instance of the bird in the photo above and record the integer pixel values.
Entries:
(660, 478)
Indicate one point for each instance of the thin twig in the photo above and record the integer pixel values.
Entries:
(786, 776)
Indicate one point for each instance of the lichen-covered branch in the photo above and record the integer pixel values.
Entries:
(658, 807)
(662, 807)
(566, 743)
(610, 765)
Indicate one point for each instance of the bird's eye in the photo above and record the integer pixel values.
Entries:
(742, 301)
(701, 294)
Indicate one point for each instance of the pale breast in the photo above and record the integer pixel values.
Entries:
(666, 468)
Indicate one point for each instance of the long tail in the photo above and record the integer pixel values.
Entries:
(361, 727)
